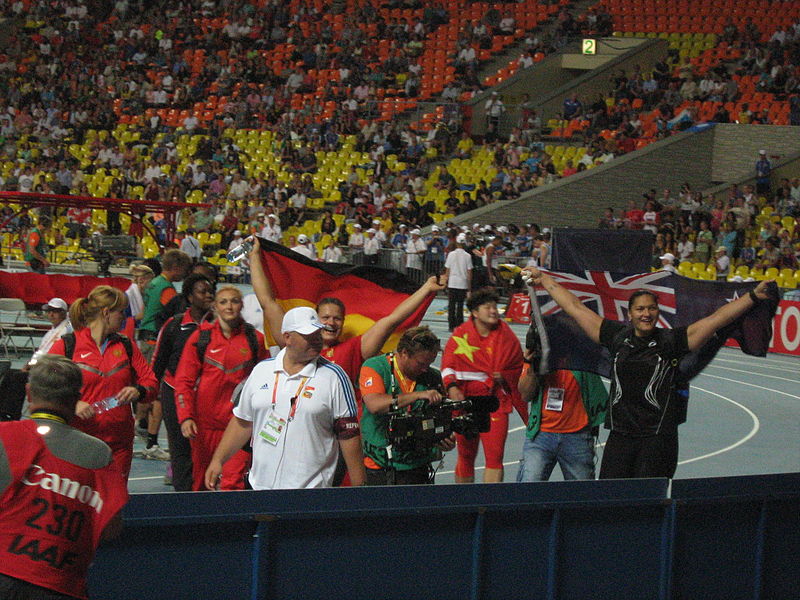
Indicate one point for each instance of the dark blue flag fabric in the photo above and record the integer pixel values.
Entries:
(682, 301)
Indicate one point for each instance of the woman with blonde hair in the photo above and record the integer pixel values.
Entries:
(112, 366)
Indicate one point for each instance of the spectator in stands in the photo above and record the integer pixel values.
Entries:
(305, 247)
(667, 262)
(722, 263)
(356, 244)
(494, 109)
(763, 171)
(272, 230)
(190, 245)
(332, 253)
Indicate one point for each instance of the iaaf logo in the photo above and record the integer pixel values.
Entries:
(63, 486)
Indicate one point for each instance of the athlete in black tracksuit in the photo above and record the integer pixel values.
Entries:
(643, 411)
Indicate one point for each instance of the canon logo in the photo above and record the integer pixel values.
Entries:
(85, 494)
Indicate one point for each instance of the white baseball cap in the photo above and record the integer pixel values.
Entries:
(55, 304)
(376, 221)
(371, 230)
(303, 320)
(415, 232)
(461, 239)
(434, 228)
(272, 216)
(356, 225)
(668, 256)
(302, 238)
(237, 233)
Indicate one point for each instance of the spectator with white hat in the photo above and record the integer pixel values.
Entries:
(723, 263)
(272, 230)
(56, 312)
(356, 243)
(415, 249)
(458, 268)
(667, 262)
(371, 247)
(305, 247)
(380, 234)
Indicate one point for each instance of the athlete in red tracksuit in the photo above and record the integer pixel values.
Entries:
(204, 387)
(107, 371)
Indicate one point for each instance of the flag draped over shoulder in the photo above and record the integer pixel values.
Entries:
(471, 360)
(368, 293)
(682, 301)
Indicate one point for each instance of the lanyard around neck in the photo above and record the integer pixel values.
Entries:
(294, 400)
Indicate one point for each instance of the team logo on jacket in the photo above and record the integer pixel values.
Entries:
(264, 387)
(117, 353)
(244, 350)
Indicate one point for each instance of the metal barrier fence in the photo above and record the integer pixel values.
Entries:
(727, 538)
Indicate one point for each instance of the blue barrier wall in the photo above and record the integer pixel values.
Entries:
(711, 538)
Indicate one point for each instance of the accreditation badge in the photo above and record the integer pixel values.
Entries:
(273, 428)
(555, 399)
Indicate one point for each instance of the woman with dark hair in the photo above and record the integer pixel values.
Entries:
(483, 357)
(643, 415)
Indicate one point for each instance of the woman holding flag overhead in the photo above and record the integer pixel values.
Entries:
(643, 414)
(483, 357)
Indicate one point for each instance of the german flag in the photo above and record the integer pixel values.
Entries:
(368, 293)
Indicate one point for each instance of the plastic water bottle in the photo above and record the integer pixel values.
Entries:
(106, 404)
(240, 251)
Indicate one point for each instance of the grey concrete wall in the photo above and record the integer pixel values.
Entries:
(736, 148)
(579, 200)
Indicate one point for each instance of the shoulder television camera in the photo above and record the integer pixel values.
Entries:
(419, 431)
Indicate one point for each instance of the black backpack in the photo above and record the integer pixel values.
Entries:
(69, 345)
(204, 340)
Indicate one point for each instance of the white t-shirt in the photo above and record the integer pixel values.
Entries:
(413, 247)
(371, 246)
(272, 233)
(305, 251)
(460, 263)
(305, 453)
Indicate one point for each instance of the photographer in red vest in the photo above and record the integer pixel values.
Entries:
(59, 491)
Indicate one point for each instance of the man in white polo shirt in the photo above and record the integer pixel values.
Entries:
(458, 267)
(297, 410)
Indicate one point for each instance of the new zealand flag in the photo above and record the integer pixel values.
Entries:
(682, 301)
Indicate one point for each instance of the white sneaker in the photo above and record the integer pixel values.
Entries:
(155, 453)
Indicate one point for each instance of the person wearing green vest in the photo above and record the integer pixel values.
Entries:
(175, 266)
(400, 381)
(567, 408)
(36, 248)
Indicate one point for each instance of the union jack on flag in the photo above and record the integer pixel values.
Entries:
(607, 293)
(681, 301)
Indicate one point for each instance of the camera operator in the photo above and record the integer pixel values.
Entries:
(400, 382)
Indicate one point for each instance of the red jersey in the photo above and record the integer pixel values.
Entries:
(347, 354)
(53, 512)
(105, 372)
(204, 388)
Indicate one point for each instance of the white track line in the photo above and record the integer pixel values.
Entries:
(763, 375)
(753, 431)
(760, 387)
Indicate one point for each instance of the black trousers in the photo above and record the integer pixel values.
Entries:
(455, 307)
(630, 457)
(418, 476)
(180, 450)
(12, 395)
